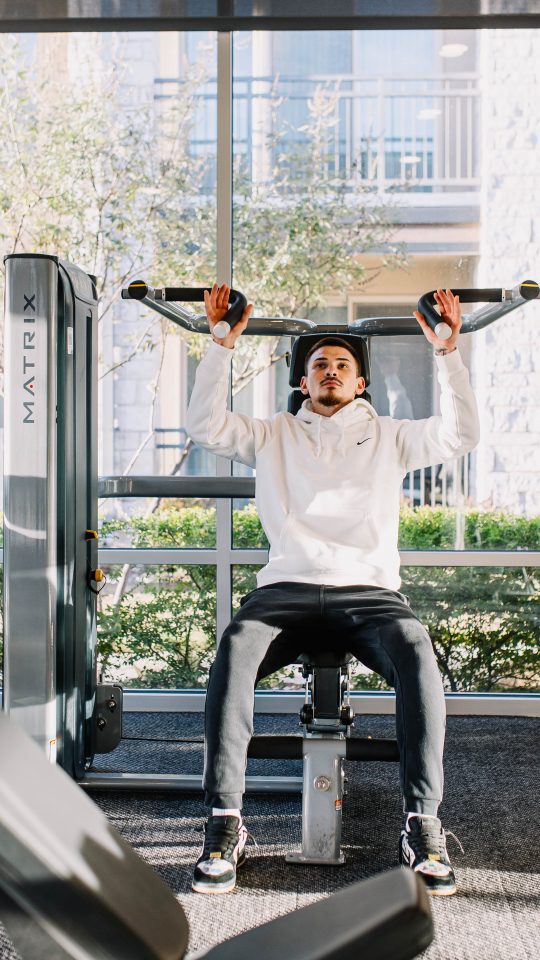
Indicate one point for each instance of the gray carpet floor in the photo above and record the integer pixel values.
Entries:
(491, 804)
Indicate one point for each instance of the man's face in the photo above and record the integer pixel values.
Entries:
(331, 380)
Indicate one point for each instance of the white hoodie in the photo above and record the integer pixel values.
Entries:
(328, 488)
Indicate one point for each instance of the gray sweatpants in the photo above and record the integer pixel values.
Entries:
(277, 622)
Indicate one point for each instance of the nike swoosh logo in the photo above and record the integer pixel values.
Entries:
(358, 442)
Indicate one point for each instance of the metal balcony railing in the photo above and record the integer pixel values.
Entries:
(415, 134)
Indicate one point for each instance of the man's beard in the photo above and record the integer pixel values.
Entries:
(329, 400)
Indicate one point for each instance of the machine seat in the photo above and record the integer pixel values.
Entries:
(326, 658)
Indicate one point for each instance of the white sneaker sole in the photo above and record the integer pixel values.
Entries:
(213, 888)
(199, 886)
(450, 892)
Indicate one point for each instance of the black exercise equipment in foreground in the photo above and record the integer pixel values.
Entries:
(71, 887)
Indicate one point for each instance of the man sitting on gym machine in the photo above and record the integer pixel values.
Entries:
(328, 489)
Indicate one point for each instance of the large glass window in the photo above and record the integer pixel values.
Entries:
(368, 179)
(161, 523)
(483, 623)
(119, 133)
(367, 169)
(408, 211)
(157, 625)
(109, 160)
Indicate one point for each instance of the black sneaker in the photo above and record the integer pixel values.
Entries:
(423, 848)
(223, 851)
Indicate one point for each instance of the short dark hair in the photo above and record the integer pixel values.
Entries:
(334, 341)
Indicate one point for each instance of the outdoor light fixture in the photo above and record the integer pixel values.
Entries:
(453, 49)
(428, 114)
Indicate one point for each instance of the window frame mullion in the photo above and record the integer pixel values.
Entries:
(224, 238)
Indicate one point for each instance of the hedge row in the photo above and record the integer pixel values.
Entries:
(159, 622)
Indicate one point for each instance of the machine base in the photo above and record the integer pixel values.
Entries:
(299, 857)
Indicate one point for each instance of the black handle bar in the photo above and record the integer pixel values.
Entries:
(528, 290)
(367, 326)
(138, 290)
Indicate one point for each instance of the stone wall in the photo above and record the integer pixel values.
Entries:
(505, 364)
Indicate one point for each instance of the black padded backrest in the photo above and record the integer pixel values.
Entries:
(303, 344)
(63, 863)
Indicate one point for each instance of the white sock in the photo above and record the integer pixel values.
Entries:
(220, 812)
(424, 816)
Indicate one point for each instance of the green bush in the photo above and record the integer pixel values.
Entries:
(501, 531)
(483, 621)
(156, 625)
(172, 526)
(162, 626)
(426, 528)
(484, 624)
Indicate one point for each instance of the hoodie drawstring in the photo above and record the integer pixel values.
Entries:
(359, 412)
(343, 447)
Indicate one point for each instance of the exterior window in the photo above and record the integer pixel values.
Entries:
(367, 170)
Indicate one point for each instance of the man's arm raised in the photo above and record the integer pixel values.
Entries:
(209, 422)
(422, 443)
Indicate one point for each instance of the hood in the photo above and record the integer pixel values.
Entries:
(353, 414)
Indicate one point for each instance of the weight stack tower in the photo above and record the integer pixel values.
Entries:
(50, 505)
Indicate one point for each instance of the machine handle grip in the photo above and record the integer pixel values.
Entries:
(527, 290)
(138, 290)
(426, 306)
